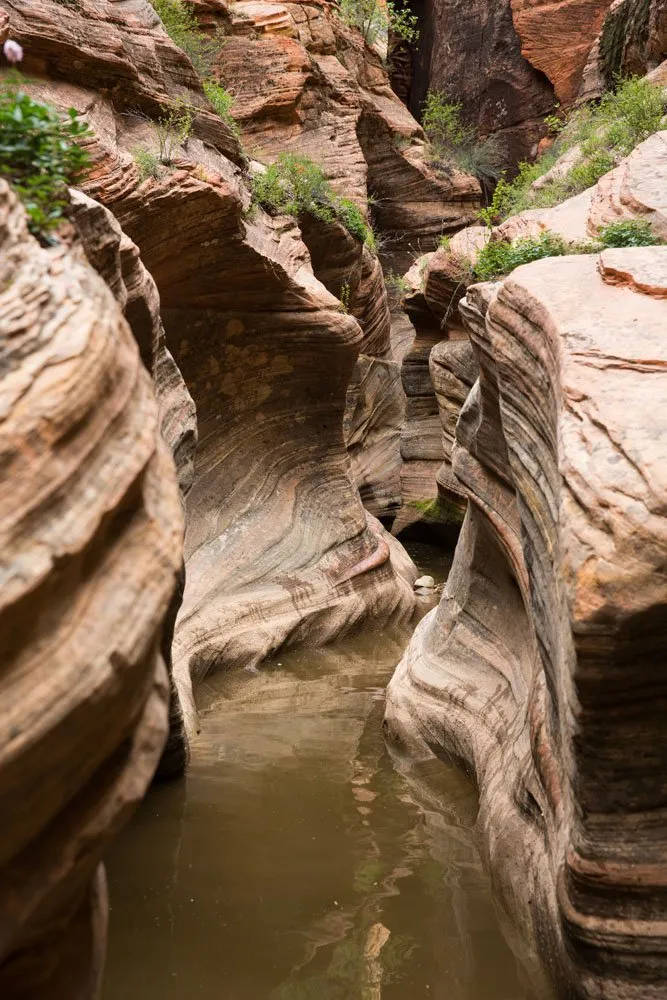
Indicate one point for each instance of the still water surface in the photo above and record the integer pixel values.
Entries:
(296, 862)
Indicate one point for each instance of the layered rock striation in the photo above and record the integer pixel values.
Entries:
(92, 532)
(540, 669)
(279, 547)
(305, 83)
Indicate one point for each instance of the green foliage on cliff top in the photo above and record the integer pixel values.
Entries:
(500, 257)
(40, 155)
(602, 135)
(374, 20)
(294, 185)
(453, 143)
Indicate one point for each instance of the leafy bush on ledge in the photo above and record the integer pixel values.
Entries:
(222, 101)
(629, 233)
(453, 143)
(40, 155)
(294, 185)
(499, 258)
(375, 20)
(601, 134)
(181, 25)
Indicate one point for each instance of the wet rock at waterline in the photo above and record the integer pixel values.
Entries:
(541, 669)
(92, 532)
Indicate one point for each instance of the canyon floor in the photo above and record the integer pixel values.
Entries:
(299, 860)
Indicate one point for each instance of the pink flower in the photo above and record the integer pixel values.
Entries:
(13, 51)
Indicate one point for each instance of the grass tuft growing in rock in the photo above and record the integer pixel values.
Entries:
(453, 143)
(599, 135)
(40, 155)
(294, 185)
(222, 101)
(148, 164)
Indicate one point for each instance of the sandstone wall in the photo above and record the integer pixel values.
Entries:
(279, 547)
(508, 62)
(91, 549)
(541, 669)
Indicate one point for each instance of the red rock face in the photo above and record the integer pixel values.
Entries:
(470, 50)
(556, 38)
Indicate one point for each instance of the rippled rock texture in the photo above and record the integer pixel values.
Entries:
(304, 82)
(541, 670)
(91, 549)
(279, 547)
(635, 189)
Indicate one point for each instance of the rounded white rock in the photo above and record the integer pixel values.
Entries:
(425, 582)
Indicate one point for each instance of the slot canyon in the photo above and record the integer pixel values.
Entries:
(333, 427)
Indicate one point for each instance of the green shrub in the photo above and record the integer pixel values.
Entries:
(374, 20)
(222, 101)
(604, 134)
(171, 129)
(630, 114)
(181, 25)
(453, 143)
(629, 233)
(40, 155)
(500, 257)
(294, 185)
(148, 164)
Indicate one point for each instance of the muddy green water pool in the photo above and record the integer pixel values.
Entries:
(297, 861)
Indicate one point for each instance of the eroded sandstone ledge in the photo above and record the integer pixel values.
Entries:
(541, 669)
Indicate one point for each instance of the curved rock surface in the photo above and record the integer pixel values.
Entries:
(116, 258)
(557, 37)
(91, 549)
(541, 670)
(279, 547)
(634, 189)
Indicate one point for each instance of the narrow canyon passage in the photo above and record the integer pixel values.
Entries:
(297, 860)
